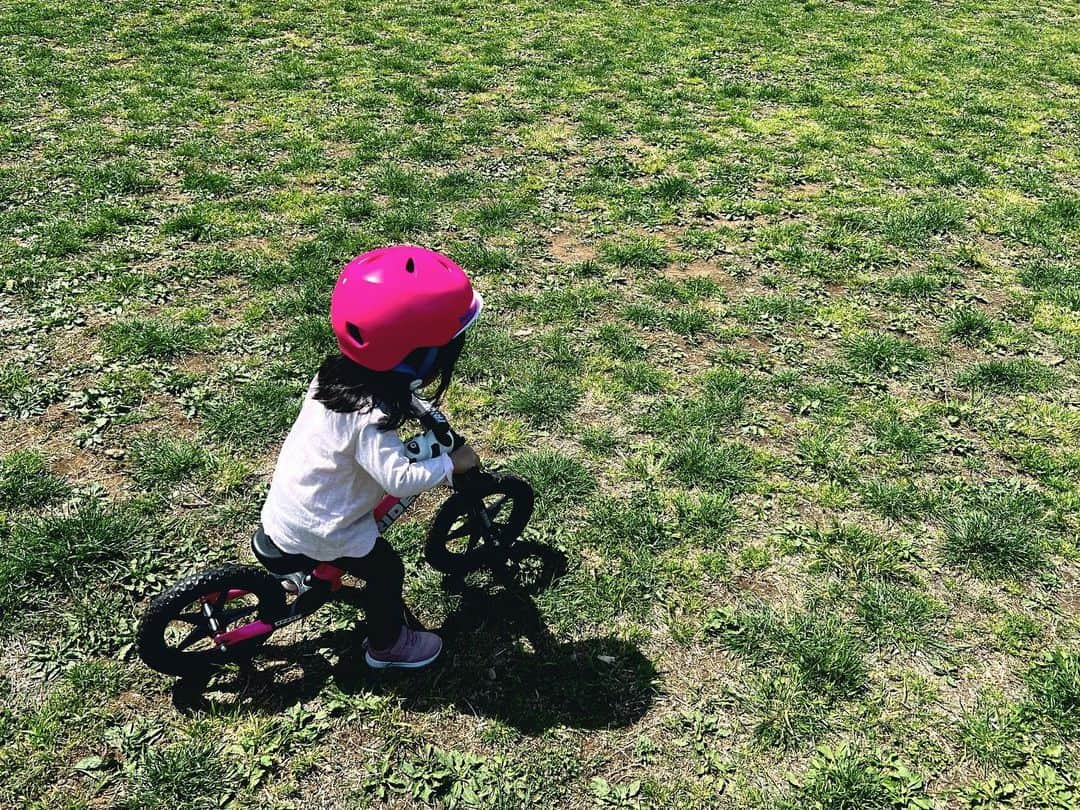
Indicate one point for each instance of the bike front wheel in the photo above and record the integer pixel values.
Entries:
(176, 634)
(462, 538)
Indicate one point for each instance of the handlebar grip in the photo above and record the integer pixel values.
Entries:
(469, 480)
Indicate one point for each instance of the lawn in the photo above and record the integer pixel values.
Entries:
(783, 324)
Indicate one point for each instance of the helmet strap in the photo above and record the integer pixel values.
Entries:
(427, 365)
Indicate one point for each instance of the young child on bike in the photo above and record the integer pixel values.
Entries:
(399, 315)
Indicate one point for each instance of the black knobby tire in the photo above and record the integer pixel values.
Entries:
(172, 612)
(456, 543)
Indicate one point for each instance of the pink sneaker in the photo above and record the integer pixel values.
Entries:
(412, 650)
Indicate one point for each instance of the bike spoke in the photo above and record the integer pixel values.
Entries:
(227, 617)
(493, 510)
(464, 530)
(191, 618)
(195, 634)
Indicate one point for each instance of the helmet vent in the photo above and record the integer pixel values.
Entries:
(410, 266)
(354, 333)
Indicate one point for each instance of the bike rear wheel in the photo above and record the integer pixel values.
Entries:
(459, 542)
(176, 634)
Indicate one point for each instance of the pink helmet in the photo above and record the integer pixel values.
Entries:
(390, 301)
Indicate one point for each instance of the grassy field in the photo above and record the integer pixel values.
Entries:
(783, 325)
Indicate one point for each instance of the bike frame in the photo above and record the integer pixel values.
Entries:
(437, 439)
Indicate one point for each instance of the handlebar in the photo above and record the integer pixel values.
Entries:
(434, 420)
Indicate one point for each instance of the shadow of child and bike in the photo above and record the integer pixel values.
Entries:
(500, 660)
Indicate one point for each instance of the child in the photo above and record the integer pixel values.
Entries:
(399, 315)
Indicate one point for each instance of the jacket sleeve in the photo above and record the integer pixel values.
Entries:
(382, 455)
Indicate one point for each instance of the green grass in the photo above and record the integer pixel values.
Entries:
(1054, 682)
(140, 339)
(1008, 376)
(969, 325)
(27, 482)
(69, 549)
(879, 353)
(782, 315)
(158, 459)
(840, 778)
(998, 532)
(899, 616)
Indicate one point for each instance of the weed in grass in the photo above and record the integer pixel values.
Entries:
(570, 304)
(720, 402)
(105, 678)
(915, 223)
(558, 479)
(807, 398)
(706, 516)
(186, 775)
(851, 551)
(843, 778)
(1054, 683)
(642, 378)
(197, 224)
(598, 440)
(22, 395)
(308, 340)
(1004, 376)
(751, 632)
(160, 460)
(770, 309)
(882, 353)
(998, 532)
(672, 189)
(157, 160)
(817, 645)
(1017, 632)
(82, 543)
(686, 291)
(969, 325)
(787, 710)
(900, 617)
(151, 338)
(1046, 274)
(26, 482)
(901, 501)
(482, 260)
(490, 353)
(689, 321)
(545, 398)
(640, 253)
(917, 286)
(826, 655)
(914, 439)
(828, 456)
(643, 315)
(701, 461)
(259, 413)
(993, 733)
(556, 351)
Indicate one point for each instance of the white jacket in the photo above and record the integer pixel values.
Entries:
(332, 470)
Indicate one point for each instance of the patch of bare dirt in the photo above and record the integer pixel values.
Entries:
(567, 248)
(701, 268)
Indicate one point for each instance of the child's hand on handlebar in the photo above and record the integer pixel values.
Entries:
(464, 459)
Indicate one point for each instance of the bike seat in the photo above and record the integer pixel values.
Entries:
(276, 560)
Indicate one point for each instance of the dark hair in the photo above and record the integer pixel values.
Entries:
(347, 387)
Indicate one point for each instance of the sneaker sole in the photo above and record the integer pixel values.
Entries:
(375, 663)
